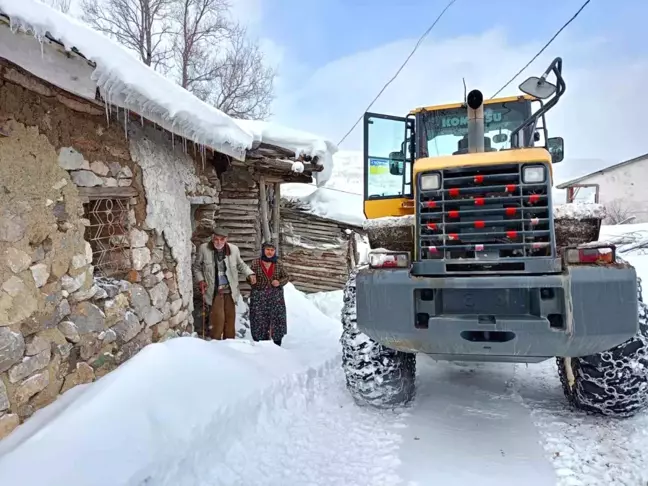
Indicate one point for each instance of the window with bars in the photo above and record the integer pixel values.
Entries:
(108, 235)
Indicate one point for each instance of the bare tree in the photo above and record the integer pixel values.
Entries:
(218, 63)
(196, 42)
(244, 85)
(140, 25)
(201, 25)
(62, 5)
(617, 213)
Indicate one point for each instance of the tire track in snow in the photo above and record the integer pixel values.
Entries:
(465, 427)
(585, 450)
(322, 440)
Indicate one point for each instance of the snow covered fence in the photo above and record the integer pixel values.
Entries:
(172, 409)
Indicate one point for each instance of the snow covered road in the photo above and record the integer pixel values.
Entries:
(255, 414)
(486, 424)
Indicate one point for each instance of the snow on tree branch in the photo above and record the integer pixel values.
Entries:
(62, 5)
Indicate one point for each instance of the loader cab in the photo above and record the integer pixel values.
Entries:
(392, 144)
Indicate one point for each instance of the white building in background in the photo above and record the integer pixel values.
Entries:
(621, 188)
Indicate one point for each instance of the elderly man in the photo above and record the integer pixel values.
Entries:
(216, 269)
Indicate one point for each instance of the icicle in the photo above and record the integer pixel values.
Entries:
(142, 119)
(106, 109)
(126, 123)
(172, 141)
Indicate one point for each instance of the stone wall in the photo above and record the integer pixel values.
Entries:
(61, 322)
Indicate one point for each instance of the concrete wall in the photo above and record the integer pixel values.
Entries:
(61, 323)
(623, 189)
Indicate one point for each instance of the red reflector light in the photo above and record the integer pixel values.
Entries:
(510, 187)
(453, 214)
(432, 249)
(454, 192)
(605, 254)
(479, 179)
(432, 226)
(479, 201)
(479, 224)
(430, 204)
(511, 235)
(479, 247)
(388, 260)
(453, 236)
(510, 211)
(534, 198)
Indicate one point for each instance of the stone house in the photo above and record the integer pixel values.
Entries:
(104, 186)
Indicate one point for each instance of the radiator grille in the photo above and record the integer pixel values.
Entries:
(485, 213)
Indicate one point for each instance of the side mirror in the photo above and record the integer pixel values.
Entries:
(556, 147)
(396, 168)
(500, 138)
(396, 163)
(538, 87)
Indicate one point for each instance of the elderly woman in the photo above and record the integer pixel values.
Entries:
(267, 304)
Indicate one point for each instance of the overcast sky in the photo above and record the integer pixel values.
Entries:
(333, 56)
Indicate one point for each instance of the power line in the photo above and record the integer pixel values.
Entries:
(399, 69)
(542, 50)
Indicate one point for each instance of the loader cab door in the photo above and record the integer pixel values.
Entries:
(388, 165)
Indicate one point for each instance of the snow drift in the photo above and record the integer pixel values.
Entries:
(155, 418)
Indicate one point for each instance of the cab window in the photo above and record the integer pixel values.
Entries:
(385, 157)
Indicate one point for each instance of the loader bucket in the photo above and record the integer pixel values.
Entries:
(571, 232)
(394, 233)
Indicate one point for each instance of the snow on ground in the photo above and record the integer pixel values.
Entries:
(471, 423)
(188, 412)
(167, 412)
(126, 82)
(329, 303)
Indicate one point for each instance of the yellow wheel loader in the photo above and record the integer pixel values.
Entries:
(470, 260)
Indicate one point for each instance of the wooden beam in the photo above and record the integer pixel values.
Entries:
(107, 192)
(268, 150)
(281, 165)
(263, 200)
(276, 216)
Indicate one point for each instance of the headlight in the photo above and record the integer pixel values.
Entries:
(430, 182)
(533, 174)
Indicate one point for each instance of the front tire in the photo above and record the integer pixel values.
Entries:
(612, 383)
(375, 375)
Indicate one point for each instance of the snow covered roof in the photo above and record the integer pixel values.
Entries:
(578, 180)
(126, 82)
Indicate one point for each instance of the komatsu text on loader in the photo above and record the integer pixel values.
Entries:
(471, 261)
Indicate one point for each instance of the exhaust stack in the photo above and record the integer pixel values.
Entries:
(475, 101)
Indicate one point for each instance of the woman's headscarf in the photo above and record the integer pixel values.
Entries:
(263, 255)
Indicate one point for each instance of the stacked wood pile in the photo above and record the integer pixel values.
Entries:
(317, 252)
(239, 214)
(249, 199)
(276, 163)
